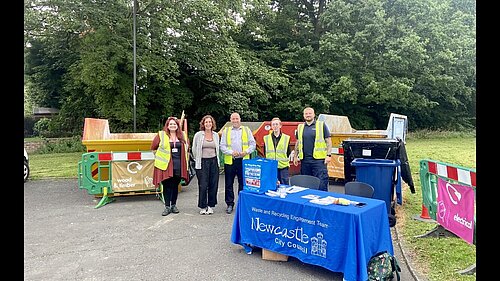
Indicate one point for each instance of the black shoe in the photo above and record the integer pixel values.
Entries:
(174, 209)
(166, 211)
(229, 209)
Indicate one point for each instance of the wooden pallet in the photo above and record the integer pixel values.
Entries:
(129, 193)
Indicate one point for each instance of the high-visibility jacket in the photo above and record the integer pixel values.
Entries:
(162, 156)
(278, 153)
(319, 150)
(228, 159)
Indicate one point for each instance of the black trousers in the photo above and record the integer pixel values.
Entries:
(171, 190)
(231, 171)
(208, 182)
(317, 168)
(283, 175)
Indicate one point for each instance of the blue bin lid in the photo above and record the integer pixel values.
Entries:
(374, 162)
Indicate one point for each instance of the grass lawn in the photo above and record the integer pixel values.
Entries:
(437, 258)
(54, 165)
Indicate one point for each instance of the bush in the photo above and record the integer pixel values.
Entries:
(29, 123)
(41, 127)
(73, 144)
(51, 128)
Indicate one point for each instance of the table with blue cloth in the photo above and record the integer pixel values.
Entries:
(337, 237)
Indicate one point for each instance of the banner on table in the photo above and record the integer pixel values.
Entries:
(260, 174)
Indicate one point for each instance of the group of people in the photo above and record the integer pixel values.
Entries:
(236, 143)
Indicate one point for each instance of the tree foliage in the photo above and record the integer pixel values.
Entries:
(363, 59)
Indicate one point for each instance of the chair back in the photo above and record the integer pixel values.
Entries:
(305, 181)
(358, 188)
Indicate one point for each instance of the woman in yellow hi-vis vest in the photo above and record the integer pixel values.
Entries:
(171, 162)
(277, 147)
(236, 143)
(313, 148)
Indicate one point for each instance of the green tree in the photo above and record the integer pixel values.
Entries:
(411, 57)
(363, 59)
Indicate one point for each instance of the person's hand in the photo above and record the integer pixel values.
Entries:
(243, 153)
(295, 160)
(235, 153)
(328, 159)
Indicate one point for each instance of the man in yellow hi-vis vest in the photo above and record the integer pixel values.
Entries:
(313, 148)
(277, 147)
(236, 143)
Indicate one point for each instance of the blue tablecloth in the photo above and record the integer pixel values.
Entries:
(339, 238)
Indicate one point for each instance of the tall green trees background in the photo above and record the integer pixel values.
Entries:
(363, 59)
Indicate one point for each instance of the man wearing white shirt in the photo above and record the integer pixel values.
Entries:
(237, 143)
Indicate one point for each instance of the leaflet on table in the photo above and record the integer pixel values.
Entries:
(332, 200)
(286, 190)
(311, 196)
(323, 201)
(295, 189)
(316, 199)
(272, 193)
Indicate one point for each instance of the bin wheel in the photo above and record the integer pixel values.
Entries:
(26, 170)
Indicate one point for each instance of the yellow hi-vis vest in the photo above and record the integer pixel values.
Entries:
(228, 159)
(281, 149)
(162, 156)
(319, 150)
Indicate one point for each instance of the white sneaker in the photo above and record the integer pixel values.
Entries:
(209, 210)
(203, 211)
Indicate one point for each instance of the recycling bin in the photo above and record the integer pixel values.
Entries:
(367, 149)
(379, 173)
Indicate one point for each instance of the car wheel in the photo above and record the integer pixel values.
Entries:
(26, 170)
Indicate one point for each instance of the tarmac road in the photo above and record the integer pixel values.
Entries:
(66, 238)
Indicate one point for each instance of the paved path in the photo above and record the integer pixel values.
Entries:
(66, 238)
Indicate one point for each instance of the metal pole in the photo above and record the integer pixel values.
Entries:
(135, 73)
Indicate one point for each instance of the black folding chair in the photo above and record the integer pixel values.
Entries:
(305, 181)
(358, 188)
